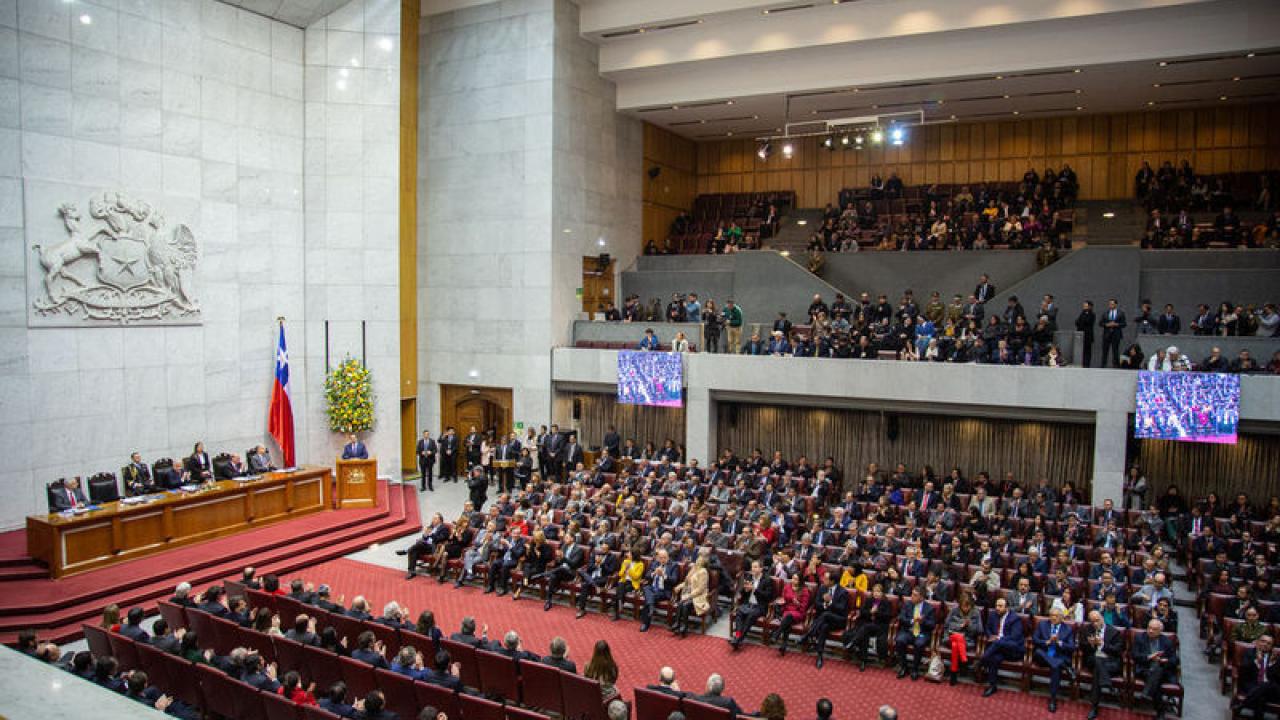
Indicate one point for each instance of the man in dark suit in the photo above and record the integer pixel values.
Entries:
(830, 613)
(69, 496)
(1155, 660)
(1055, 645)
(554, 451)
(162, 638)
(572, 452)
(335, 701)
(755, 594)
(1168, 323)
(508, 451)
(510, 554)
(472, 445)
(1112, 323)
(1006, 642)
(915, 627)
(132, 626)
(467, 634)
(212, 603)
(303, 631)
(1102, 652)
(662, 576)
(260, 460)
(559, 656)
(477, 487)
(427, 449)
(375, 708)
(449, 455)
(715, 696)
(1259, 677)
(985, 289)
(441, 674)
(260, 676)
(613, 442)
(512, 648)
(1085, 323)
(596, 576)
(354, 449)
(198, 465)
(369, 651)
(667, 684)
(137, 476)
(572, 556)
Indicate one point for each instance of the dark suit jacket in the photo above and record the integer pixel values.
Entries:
(168, 643)
(62, 502)
(355, 450)
(1144, 646)
(197, 466)
(727, 703)
(572, 454)
(927, 619)
(1249, 670)
(839, 604)
(443, 680)
(1066, 638)
(573, 556)
(764, 594)
(339, 709)
(135, 632)
(1104, 317)
(1013, 633)
(667, 690)
(371, 657)
(562, 663)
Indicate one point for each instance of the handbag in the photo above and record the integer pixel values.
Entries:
(936, 668)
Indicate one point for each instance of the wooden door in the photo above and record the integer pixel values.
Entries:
(597, 284)
(463, 406)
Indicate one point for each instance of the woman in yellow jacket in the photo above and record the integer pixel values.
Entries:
(630, 580)
(692, 594)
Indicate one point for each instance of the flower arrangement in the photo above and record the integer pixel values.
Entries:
(348, 390)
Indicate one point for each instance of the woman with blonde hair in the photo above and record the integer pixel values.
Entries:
(111, 618)
(692, 594)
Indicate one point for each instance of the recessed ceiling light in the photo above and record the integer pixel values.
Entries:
(953, 117)
(1151, 102)
(1108, 215)
(568, 230)
(764, 12)
(999, 77)
(702, 122)
(640, 30)
(1078, 91)
(1250, 55)
(700, 21)
(675, 107)
(343, 72)
(86, 19)
(1079, 107)
(729, 134)
(1222, 97)
(1235, 79)
(755, 117)
(941, 102)
(1155, 85)
(1006, 97)
(1077, 70)
(802, 222)
(728, 102)
(1163, 63)
(1015, 112)
(386, 44)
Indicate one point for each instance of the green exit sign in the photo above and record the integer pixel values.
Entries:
(519, 426)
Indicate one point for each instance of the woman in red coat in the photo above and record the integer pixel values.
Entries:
(792, 607)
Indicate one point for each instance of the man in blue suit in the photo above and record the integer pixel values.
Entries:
(354, 449)
(1155, 660)
(1006, 642)
(663, 576)
(1055, 644)
(915, 627)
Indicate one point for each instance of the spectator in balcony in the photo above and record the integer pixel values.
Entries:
(692, 309)
(1244, 363)
(876, 185)
(1053, 358)
(816, 261)
(733, 321)
(733, 237)
(712, 325)
(1143, 180)
(1132, 358)
(649, 342)
(1227, 226)
(1273, 367)
(1168, 323)
(782, 324)
(754, 346)
(1228, 320)
(682, 223)
(675, 308)
(1215, 362)
(893, 186)
(1205, 322)
(681, 343)
(778, 345)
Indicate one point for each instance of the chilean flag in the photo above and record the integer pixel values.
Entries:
(281, 423)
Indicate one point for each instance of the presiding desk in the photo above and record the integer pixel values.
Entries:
(119, 531)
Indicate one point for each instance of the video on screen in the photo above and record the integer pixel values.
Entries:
(650, 378)
(1193, 407)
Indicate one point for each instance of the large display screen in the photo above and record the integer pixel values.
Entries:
(650, 378)
(1196, 407)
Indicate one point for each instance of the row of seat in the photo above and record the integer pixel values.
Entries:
(613, 345)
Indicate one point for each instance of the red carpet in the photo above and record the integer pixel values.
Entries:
(57, 607)
(749, 674)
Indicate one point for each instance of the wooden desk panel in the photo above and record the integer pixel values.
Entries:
(118, 532)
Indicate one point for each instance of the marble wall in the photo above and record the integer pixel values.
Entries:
(351, 176)
(525, 167)
(196, 107)
(236, 126)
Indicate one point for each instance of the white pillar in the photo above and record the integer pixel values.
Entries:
(1110, 432)
(699, 425)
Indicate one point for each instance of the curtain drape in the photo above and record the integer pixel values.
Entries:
(642, 423)
(1251, 466)
(1030, 450)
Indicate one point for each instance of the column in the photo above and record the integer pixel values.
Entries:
(1110, 431)
(699, 425)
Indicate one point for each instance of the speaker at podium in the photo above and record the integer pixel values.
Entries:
(357, 481)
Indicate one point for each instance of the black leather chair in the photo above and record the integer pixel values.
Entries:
(50, 490)
(165, 474)
(222, 466)
(103, 488)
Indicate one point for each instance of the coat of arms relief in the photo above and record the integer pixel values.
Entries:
(119, 265)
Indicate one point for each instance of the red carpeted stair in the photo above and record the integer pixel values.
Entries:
(57, 607)
(749, 674)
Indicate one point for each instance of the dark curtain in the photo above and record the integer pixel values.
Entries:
(1252, 466)
(642, 423)
(854, 438)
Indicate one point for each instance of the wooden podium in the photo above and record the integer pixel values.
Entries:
(357, 483)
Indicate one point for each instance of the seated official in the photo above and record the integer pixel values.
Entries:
(871, 621)
(1259, 677)
(137, 476)
(915, 628)
(1155, 660)
(132, 627)
(558, 657)
(1006, 640)
(375, 708)
(1054, 643)
(596, 575)
(443, 673)
(354, 449)
(334, 700)
(830, 613)
(715, 695)
(69, 496)
(260, 461)
(755, 595)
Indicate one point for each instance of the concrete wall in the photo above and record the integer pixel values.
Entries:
(525, 167)
(947, 272)
(197, 108)
(1197, 347)
(352, 220)
(633, 332)
(1187, 288)
(1105, 397)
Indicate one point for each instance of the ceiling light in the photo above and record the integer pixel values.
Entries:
(1222, 97)
(1078, 91)
(828, 142)
(897, 136)
(844, 140)
(802, 222)
(1151, 102)
(700, 21)
(86, 19)
(764, 12)
(953, 117)
(1163, 63)
(877, 137)
(341, 84)
(640, 30)
(675, 107)
(999, 77)
(386, 44)
(875, 107)
(600, 242)
(1235, 79)
(1108, 215)
(1251, 55)
(1006, 97)
(567, 231)
(785, 253)
(1079, 107)
(343, 72)
(728, 102)
(788, 150)
(763, 151)
(1077, 71)
(857, 140)
(729, 134)
(755, 117)
(1015, 112)
(1155, 85)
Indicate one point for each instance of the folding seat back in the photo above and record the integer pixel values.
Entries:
(440, 698)
(219, 696)
(541, 687)
(291, 655)
(499, 676)
(279, 707)
(695, 710)
(175, 615)
(581, 697)
(654, 705)
(358, 676)
(515, 713)
(99, 644)
(399, 692)
(124, 651)
(324, 666)
(477, 708)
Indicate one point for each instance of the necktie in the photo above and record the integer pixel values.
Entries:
(915, 621)
(1053, 633)
(72, 497)
(1262, 670)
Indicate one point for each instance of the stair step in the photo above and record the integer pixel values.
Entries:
(29, 571)
(64, 626)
